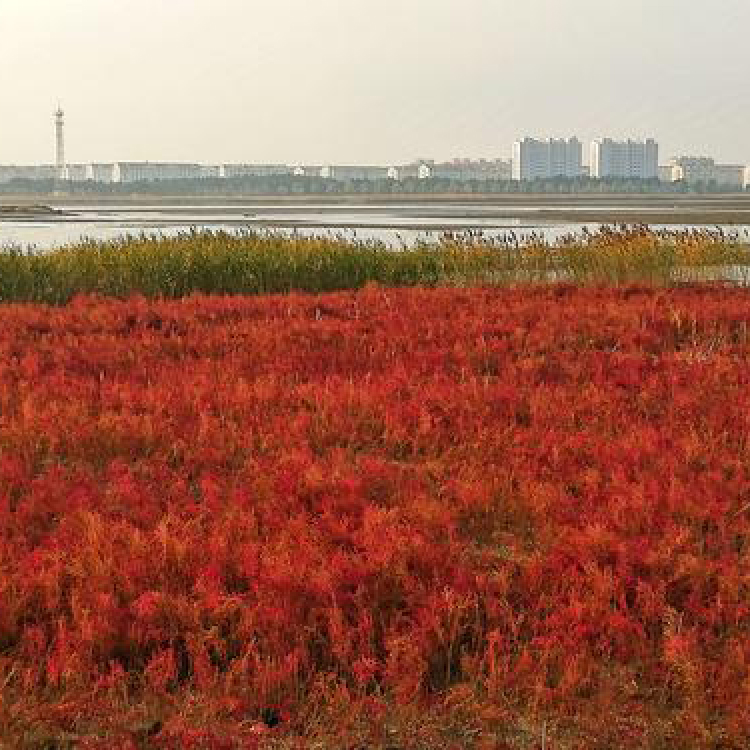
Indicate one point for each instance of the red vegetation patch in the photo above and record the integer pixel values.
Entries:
(417, 517)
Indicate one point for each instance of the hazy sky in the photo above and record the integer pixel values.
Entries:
(360, 81)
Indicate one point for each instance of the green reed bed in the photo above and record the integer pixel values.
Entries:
(262, 263)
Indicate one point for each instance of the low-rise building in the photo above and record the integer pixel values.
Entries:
(730, 176)
(150, 171)
(255, 170)
(77, 172)
(421, 169)
(101, 172)
(471, 169)
(692, 169)
(345, 172)
(9, 172)
(703, 170)
(407, 171)
(307, 170)
(746, 179)
(665, 173)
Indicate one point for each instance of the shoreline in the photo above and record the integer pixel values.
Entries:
(429, 213)
(526, 220)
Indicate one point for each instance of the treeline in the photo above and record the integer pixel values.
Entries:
(297, 185)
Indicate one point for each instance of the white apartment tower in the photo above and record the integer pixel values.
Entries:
(534, 159)
(624, 159)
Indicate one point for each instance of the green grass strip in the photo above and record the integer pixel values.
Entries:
(263, 263)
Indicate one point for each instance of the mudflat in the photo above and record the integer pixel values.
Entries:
(708, 210)
(23, 210)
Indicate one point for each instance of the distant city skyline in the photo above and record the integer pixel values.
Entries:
(60, 162)
(530, 157)
(365, 82)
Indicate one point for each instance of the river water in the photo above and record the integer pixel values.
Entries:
(400, 225)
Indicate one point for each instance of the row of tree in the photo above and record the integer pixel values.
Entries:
(297, 185)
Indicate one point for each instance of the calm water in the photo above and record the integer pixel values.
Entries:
(399, 225)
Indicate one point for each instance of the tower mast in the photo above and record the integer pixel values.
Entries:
(60, 143)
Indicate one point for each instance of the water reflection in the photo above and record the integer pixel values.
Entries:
(397, 226)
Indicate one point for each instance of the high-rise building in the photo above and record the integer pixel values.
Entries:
(535, 159)
(624, 159)
(746, 179)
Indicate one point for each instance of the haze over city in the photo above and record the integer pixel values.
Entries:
(359, 81)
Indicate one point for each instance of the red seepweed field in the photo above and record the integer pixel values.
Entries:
(393, 518)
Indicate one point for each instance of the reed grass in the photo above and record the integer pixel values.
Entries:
(262, 263)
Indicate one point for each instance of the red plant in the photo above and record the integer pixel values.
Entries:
(446, 513)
